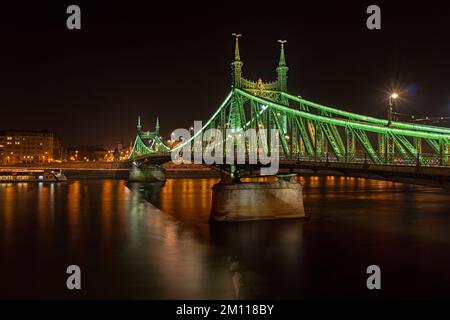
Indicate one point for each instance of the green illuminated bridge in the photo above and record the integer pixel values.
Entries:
(311, 136)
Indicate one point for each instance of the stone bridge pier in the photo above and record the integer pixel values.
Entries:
(147, 173)
(242, 201)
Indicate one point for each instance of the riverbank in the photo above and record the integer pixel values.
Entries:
(117, 170)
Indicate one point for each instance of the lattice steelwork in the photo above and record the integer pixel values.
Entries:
(147, 142)
(310, 131)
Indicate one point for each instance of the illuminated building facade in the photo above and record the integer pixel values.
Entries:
(29, 147)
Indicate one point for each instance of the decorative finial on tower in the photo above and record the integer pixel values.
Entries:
(282, 69)
(237, 56)
(139, 127)
(157, 126)
(236, 65)
(282, 58)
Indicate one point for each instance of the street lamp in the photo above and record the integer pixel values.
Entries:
(392, 99)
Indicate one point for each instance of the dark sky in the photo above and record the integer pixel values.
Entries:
(172, 61)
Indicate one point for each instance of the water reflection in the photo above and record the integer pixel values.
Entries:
(262, 255)
(7, 216)
(155, 241)
(279, 259)
(74, 204)
(45, 210)
(106, 209)
(184, 196)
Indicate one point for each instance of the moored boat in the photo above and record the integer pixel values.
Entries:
(30, 175)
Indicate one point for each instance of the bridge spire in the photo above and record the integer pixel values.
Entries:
(282, 69)
(282, 61)
(157, 126)
(236, 65)
(139, 127)
(237, 56)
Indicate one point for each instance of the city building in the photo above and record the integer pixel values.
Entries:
(122, 152)
(26, 146)
(89, 153)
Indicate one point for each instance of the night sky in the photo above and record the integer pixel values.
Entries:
(173, 61)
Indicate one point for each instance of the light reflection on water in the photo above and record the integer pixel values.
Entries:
(155, 241)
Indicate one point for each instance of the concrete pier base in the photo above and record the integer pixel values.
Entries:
(147, 174)
(257, 201)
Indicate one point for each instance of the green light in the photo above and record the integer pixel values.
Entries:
(343, 123)
(355, 116)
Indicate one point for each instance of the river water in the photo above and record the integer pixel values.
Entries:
(155, 242)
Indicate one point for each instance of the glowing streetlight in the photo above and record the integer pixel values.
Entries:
(392, 99)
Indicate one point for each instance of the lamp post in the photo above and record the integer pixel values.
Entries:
(392, 99)
(388, 141)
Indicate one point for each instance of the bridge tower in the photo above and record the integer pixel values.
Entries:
(236, 65)
(237, 116)
(282, 69)
(147, 143)
(256, 200)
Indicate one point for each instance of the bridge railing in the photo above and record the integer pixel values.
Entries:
(423, 159)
